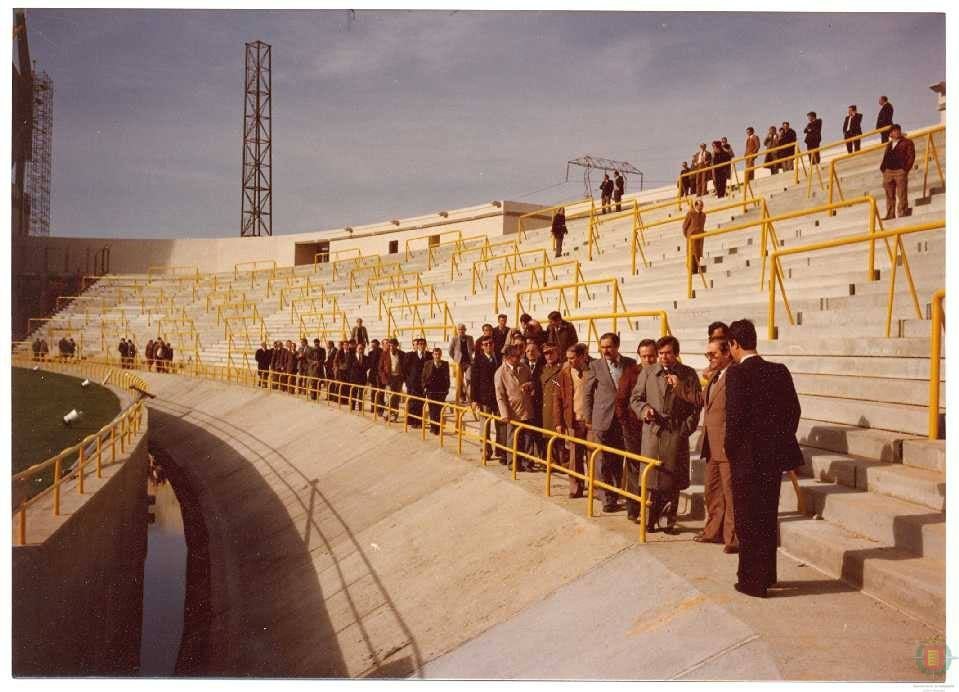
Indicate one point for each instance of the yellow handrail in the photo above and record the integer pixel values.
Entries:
(377, 271)
(486, 253)
(254, 265)
(428, 237)
(547, 211)
(428, 290)
(593, 331)
(393, 280)
(768, 233)
(515, 257)
(365, 261)
(500, 288)
(775, 270)
(311, 301)
(561, 289)
(935, 352)
(927, 132)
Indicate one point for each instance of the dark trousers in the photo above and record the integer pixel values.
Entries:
(392, 406)
(606, 205)
(814, 157)
(261, 372)
(356, 396)
(436, 408)
(855, 146)
(523, 445)
(415, 408)
(557, 245)
(756, 499)
(618, 198)
(662, 504)
(611, 466)
(884, 137)
(719, 181)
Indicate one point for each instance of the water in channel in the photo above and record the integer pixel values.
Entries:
(164, 584)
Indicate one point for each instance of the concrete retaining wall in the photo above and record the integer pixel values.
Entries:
(77, 596)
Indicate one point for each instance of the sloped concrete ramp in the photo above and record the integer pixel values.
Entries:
(339, 547)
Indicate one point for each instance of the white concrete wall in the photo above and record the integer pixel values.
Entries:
(132, 256)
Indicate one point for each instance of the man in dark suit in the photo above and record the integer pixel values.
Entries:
(483, 392)
(415, 360)
(884, 118)
(392, 375)
(787, 135)
(359, 374)
(897, 161)
(762, 415)
(359, 333)
(851, 127)
(602, 388)
(500, 334)
(436, 384)
(619, 183)
(813, 134)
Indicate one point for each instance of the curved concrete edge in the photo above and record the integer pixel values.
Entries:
(339, 547)
(629, 618)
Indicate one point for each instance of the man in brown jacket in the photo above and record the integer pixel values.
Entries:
(897, 161)
(569, 403)
(718, 483)
(694, 223)
(392, 373)
(752, 148)
(632, 425)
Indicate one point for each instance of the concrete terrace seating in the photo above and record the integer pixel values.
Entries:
(878, 488)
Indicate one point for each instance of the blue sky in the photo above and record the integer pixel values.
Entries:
(392, 114)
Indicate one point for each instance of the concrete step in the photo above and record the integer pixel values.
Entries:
(925, 454)
(875, 389)
(913, 584)
(900, 418)
(880, 518)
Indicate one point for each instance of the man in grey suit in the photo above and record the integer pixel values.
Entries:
(667, 398)
(600, 404)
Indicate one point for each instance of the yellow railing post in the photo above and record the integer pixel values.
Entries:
(935, 352)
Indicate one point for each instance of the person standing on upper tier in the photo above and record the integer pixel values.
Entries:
(619, 183)
(885, 117)
(897, 161)
(752, 148)
(606, 190)
(851, 127)
(693, 224)
(813, 134)
(559, 231)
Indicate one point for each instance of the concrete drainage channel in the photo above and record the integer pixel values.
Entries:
(175, 576)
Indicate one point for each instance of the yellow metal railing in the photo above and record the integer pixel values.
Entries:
(376, 271)
(507, 280)
(170, 271)
(96, 450)
(254, 266)
(429, 238)
(931, 153)
(418, 289)
(420, 324)
(391, 281)
(324, 323)
(593, 332)
(768, 237)
(355, 262)
(896, 257)
(486, 251)
(337, 254)
(511, 261)
(563, 304)
(305, 290)
(546, 213)
(244, 307)
(230, 295)
(640, 227)
(935, 353)
(316, 304)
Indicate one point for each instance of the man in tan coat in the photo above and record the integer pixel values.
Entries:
(694, 223)
(718, 482)
(514, 398)
(752, 148)
(569, 402)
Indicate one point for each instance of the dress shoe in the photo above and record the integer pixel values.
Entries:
(730, 549)
(701, 538)
(631, 516)
(755, 591)
(609, 509)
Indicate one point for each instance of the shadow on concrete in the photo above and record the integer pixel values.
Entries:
(304, 643)
(809, 587)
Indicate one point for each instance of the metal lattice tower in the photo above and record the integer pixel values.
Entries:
(41, 165)
(257, 206)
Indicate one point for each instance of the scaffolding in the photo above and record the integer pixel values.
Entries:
(38, 185)
(256, 215)
(589, 162)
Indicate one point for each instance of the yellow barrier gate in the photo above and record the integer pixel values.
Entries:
(593, 332)
(937, 325)
(431, 240)
(535, 280)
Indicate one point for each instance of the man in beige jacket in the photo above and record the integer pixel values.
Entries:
(514, 398)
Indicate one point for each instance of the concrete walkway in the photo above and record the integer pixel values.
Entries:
(340, 547)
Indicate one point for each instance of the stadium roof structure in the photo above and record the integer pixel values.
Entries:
(588, 162)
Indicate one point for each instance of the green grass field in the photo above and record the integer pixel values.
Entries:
(40, 400)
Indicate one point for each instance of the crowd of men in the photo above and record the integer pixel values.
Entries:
(707, 161)
(66, 347)
(529, 379)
